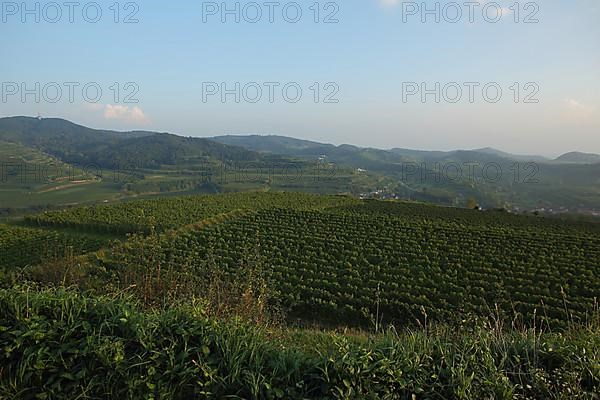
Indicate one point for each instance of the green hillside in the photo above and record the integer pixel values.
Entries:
(22, 246)
(108, 149)
(346, 260)
(266, 295)
(105, 166)
(176, 212)
(492, 178)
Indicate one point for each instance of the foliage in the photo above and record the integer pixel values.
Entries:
(92, 148)
(187, 307)
(389, 262)
(162, 214)
(21, 246)
(61, 345)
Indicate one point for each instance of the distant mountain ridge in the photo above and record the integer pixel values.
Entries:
(301, 147)
(579, 158)
(80, 145)
(162, 162)
(490, 150)
(493, 177)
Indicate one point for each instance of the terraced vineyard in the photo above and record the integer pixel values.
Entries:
(465, 218)
(498, 306)
(167, 213)
(21, 246)
(353, 263)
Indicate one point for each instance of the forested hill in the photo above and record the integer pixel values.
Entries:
(76, 144)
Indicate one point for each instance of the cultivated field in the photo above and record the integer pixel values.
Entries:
(289, 295)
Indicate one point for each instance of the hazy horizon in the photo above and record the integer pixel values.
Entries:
(549, 156)
(357, 63)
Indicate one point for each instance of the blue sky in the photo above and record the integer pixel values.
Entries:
(370, 54)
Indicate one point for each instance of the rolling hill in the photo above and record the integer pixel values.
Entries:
(106, 166)
(296, 296)
(112, 166)
(80, 145)
(492, 177)
(579, 158)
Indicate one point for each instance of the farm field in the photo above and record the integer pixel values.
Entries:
(168, 213)
(262, 295)
(393, 262)
(22, 246)
(353, 200)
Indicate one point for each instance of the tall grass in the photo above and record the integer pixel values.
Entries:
(59, 344)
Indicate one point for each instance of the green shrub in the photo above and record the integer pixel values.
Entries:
(57, 344)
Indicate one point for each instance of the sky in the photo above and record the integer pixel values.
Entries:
(522, 77)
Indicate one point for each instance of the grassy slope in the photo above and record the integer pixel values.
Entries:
(61, 345)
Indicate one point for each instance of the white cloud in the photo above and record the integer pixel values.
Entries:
(578, 109)
(125, 113)
(576, 105)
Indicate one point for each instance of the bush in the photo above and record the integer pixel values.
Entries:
(57, 344)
